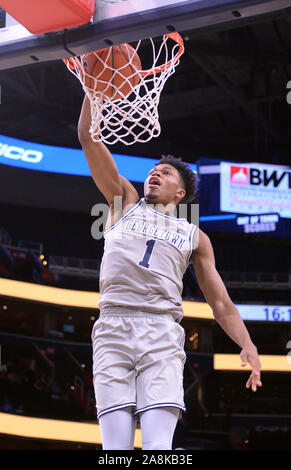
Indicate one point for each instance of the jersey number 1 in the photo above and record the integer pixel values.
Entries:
(145, 261)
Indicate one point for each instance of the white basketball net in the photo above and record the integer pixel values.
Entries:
(134, 117)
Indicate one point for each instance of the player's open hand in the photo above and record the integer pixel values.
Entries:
(249, 355)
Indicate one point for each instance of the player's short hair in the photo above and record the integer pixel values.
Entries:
(188, 176)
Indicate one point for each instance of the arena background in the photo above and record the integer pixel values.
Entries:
(227, 102)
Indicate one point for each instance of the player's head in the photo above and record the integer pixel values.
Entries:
(171, 181)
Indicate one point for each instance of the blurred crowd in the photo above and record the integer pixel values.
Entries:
(26, 389)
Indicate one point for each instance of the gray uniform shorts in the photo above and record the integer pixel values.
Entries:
(138, 360)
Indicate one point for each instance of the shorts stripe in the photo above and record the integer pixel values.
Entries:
(160, 405)
(113, 408)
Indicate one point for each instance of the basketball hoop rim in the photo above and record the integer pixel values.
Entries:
(71, 63)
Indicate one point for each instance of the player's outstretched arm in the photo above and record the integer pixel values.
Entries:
(101, 163)
(224, 311)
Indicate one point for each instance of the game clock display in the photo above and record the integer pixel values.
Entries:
(265, 312)
(278, 314)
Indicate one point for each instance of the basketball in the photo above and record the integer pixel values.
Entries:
(112, 71)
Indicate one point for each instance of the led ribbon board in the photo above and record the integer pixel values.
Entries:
(89, 300)
(31, 156)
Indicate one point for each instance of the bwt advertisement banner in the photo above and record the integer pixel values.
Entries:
(252, 198)
(255, 189)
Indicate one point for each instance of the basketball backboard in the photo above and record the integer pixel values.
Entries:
(117, 21)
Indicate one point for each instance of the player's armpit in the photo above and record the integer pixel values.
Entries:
(130, 194)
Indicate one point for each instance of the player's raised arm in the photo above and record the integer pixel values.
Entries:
(224, 311)
(101, 162)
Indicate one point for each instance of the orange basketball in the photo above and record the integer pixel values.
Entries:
(111, 67)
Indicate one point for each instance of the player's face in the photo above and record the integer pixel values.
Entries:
(163, 185)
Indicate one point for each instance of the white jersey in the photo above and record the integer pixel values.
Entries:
(146, 254)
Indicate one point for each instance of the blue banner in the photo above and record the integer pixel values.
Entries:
(31, 156)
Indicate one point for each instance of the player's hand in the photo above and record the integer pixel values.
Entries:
(249, 355)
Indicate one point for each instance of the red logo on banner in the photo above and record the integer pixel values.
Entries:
(239, 175)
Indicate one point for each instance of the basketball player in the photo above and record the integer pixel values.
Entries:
(138, 343)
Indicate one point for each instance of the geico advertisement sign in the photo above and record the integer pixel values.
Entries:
(19, 153)
(275, 178)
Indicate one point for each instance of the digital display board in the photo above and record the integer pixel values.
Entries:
(265, 312)
(48, 158)
(245, 197)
